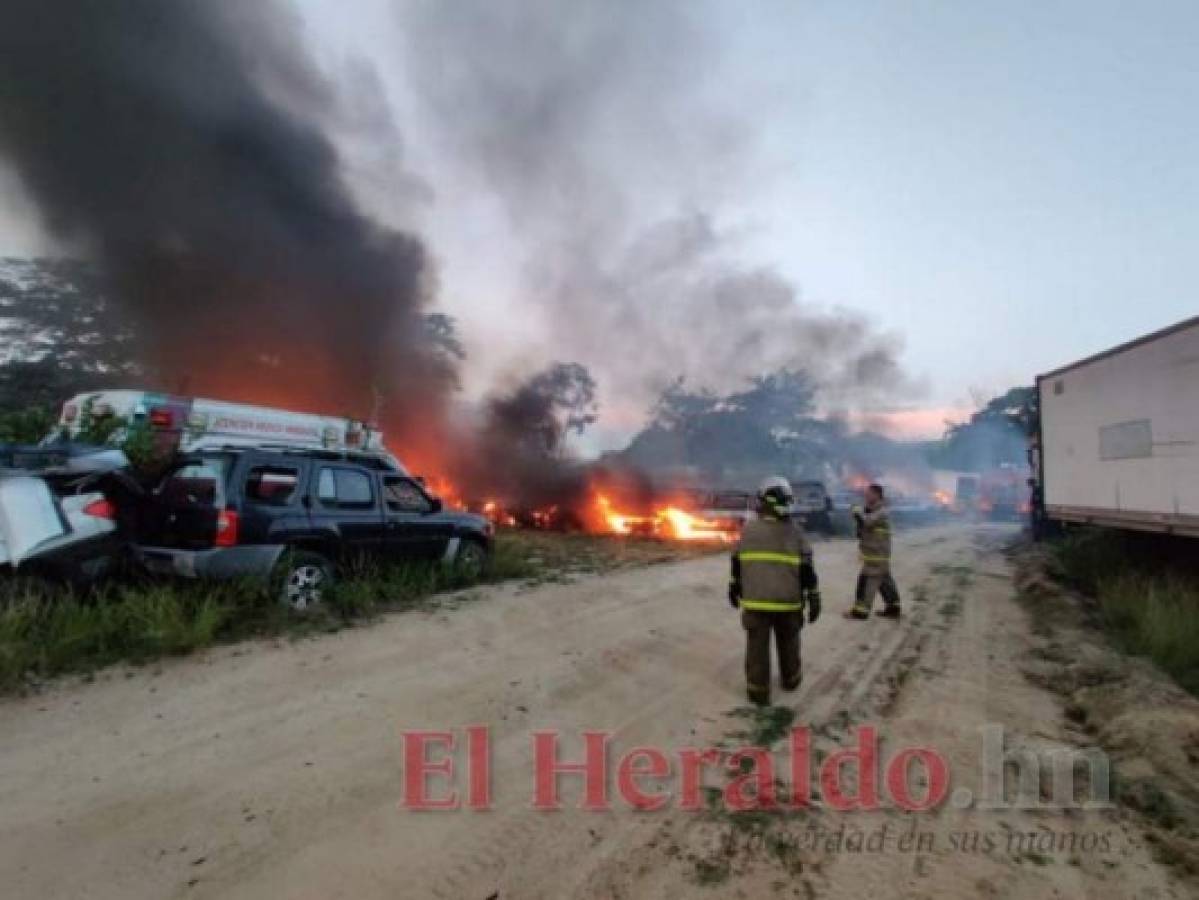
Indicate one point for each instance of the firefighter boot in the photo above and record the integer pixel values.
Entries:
(863, 595)
(890, 594)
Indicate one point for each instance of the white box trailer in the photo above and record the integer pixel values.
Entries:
(1119, 438)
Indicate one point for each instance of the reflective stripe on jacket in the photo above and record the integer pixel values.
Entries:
(874, 541)
(770, 553)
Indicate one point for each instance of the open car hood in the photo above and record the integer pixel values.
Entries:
(29, 517)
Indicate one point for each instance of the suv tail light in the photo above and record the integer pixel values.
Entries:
(161, 417)
(226, 528)
(101, 509)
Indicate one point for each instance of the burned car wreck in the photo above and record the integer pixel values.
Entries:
(59, 509)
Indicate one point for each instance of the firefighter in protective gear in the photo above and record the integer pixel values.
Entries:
(874, 544)
(773, 583)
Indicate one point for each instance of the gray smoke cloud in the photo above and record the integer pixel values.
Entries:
(601, 128)
(184, 146)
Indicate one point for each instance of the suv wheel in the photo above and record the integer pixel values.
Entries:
(472, 559)
(304, 580)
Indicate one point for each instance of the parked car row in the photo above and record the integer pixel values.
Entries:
(292, 516)
(731, 509)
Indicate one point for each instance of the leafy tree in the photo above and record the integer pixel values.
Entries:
(535, 418)
(769, 424)
(995, 435)
(62, 333)
(26, 426)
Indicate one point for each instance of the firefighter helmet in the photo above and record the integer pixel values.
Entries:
(776, 490)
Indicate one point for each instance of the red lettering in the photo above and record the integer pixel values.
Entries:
(751, 788)
(938, 778)
(693, 762)
(478, 750)
(547, 769)
(801, 766)
(629, 771)
(865, 758)
(418, 768)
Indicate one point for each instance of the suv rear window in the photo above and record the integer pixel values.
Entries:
(200, 483)
(272, 485)
(345, 488)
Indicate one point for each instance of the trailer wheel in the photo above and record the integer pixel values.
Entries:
(303, 580)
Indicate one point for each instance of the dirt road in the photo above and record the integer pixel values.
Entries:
(273, 770)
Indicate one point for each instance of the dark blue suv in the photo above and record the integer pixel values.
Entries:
(297, 517)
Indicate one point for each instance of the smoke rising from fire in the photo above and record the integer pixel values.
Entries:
(601, 128)
(181, 145)
(517, 452)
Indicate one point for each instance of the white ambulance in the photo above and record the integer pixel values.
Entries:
(187, 424)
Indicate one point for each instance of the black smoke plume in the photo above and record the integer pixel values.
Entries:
(180, 145)
(518, 455)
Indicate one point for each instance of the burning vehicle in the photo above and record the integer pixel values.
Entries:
(730, 509)
(234, 491)
(674, 516)
(1003, 493)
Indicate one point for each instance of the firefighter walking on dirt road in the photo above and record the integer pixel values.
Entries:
(773, 582)
(874, 543)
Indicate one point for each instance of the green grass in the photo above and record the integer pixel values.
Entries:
(767, 724)
(951, 607)
(1147, 592)
(46, 630)
(712, 871)
(1156, 616)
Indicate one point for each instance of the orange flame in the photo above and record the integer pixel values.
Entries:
(622, 523)
(669, 522)
(443, 488)
(683, 526)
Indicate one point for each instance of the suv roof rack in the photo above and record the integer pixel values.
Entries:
(382, 461)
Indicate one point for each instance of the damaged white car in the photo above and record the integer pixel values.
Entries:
(59, 510)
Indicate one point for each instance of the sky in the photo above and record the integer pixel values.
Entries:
(1000, 188)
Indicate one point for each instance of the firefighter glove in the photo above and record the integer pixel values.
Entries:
(807, 577)
(734, 595)
(812, 599)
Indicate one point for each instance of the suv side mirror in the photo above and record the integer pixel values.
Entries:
(435, 504)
